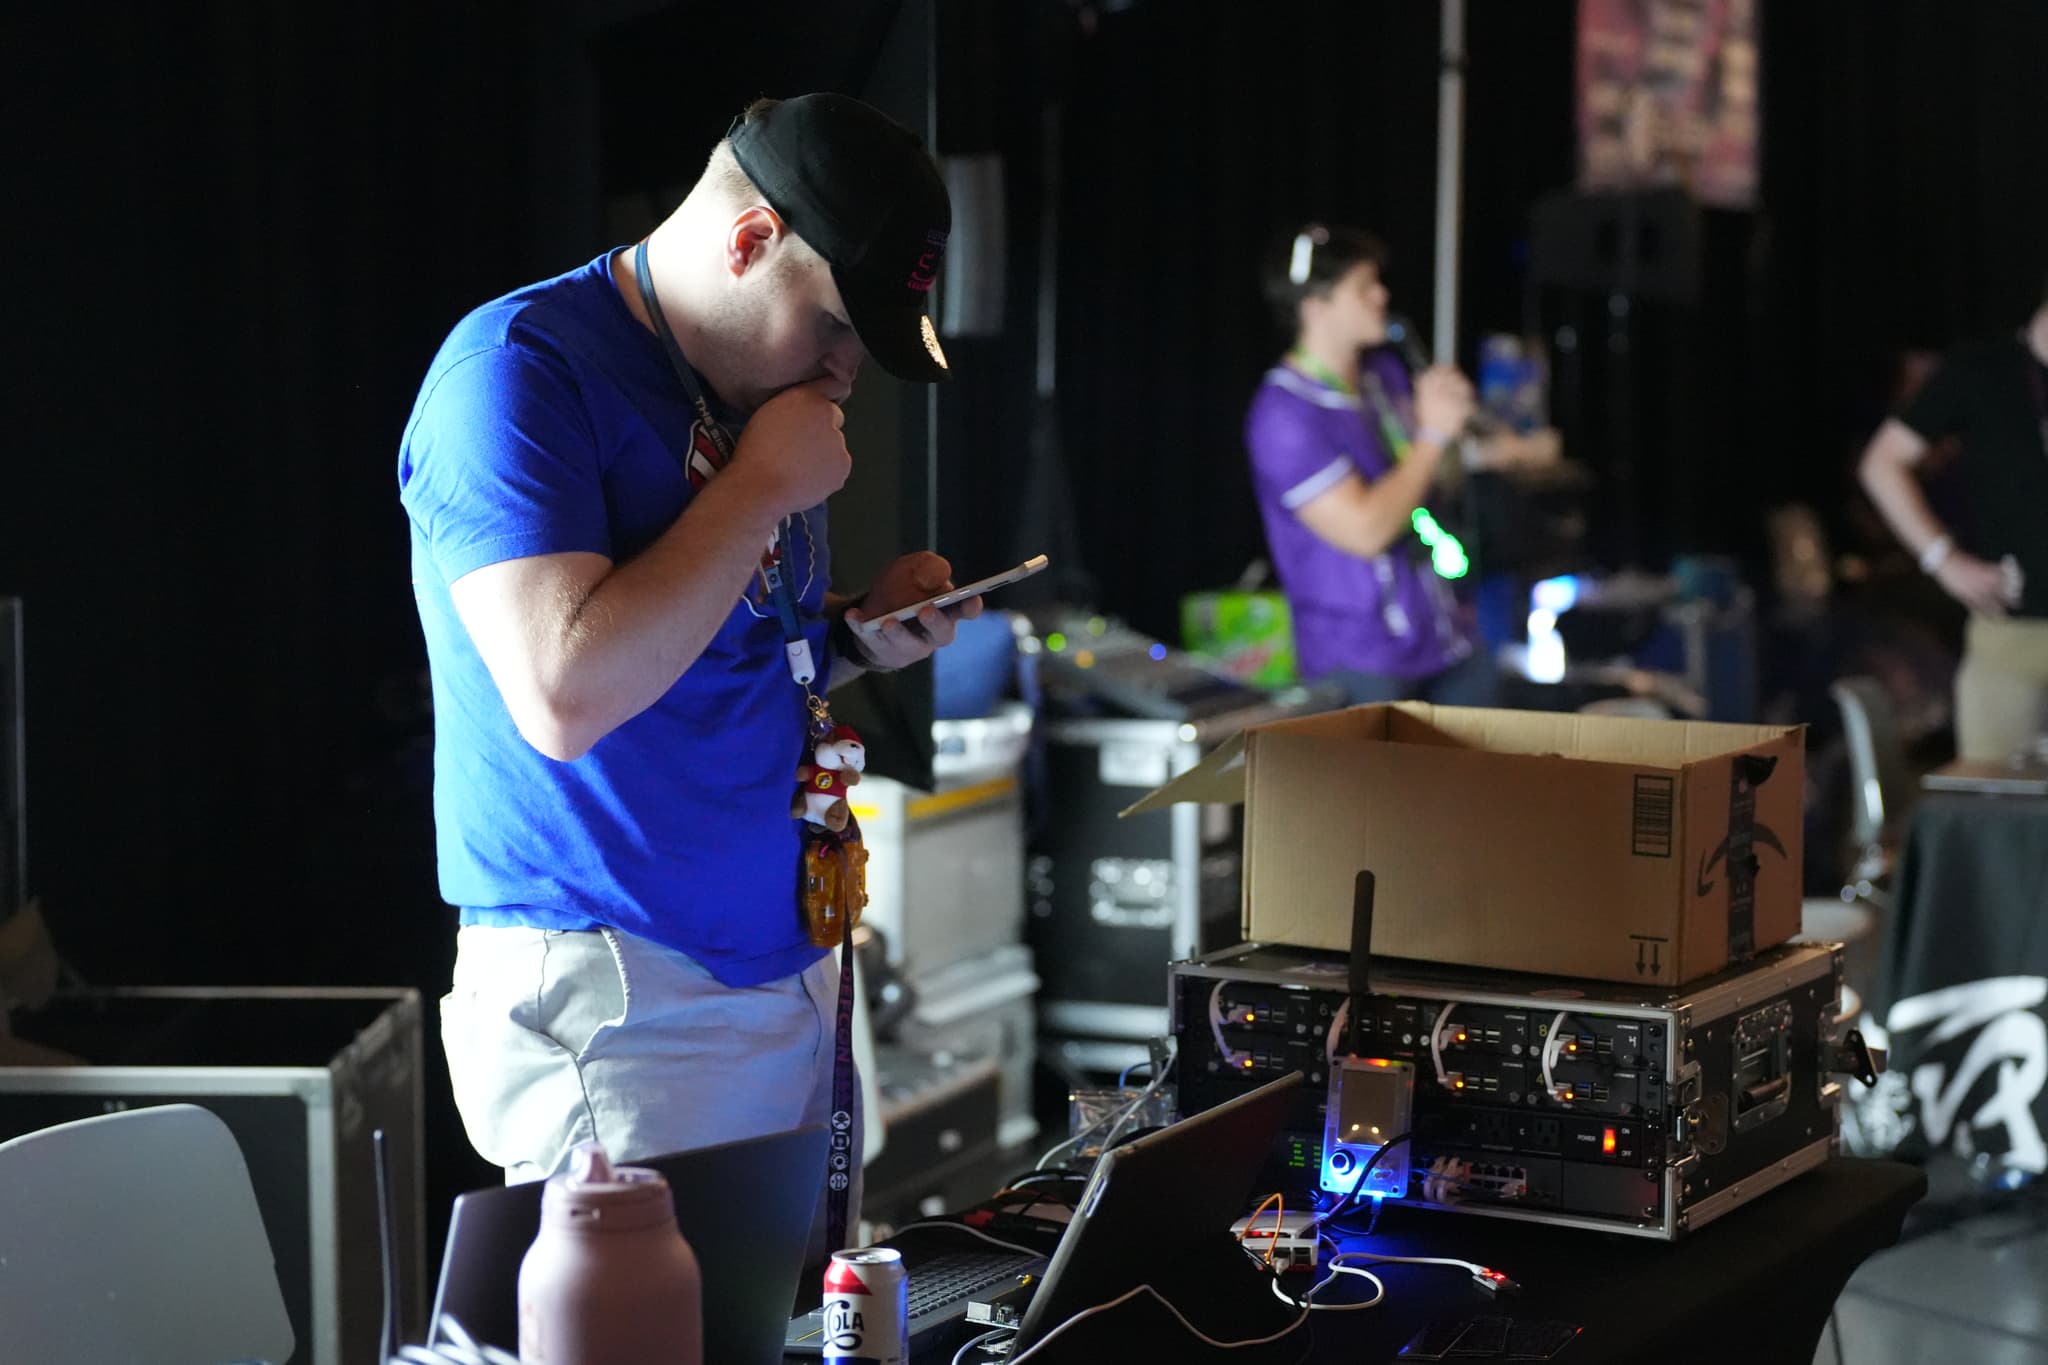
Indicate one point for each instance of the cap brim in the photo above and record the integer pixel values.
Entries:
(899, 334)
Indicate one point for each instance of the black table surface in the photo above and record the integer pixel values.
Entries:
(1755, 1286)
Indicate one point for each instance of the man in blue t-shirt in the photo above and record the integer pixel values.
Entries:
(593, 472)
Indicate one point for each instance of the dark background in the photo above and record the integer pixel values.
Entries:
(240, 230)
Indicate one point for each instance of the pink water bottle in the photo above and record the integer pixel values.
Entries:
(609, 1279)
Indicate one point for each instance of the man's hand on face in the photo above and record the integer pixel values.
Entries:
(793, 450)
(910, 579)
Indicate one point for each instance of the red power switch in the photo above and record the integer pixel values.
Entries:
(1607, 1142)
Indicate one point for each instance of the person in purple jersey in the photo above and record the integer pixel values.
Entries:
(1343, 450)
(593, 473)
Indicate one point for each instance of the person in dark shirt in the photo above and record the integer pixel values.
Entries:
(1992, 396)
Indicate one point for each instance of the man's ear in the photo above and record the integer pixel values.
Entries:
(752, 233)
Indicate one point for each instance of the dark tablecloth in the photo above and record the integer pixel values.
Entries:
(1963, 994)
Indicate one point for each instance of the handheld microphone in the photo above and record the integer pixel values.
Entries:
(1404, 337)
(1401, 332)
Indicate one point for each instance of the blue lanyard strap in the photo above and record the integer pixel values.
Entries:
(795, 646)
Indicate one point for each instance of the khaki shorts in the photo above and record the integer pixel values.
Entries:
(556, 1038)
(2002, 687)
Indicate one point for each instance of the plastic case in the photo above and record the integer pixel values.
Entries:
(946, 867)
(1110, 899)
(301, 1077)
(985, 1007)
(1580, 1103)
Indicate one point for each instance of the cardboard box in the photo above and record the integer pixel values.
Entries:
(1590, 846)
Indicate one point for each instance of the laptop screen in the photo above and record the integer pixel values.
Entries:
(738, 1206)
(1151, 1209)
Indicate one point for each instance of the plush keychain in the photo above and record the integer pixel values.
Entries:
(834, 888)
(836, 764)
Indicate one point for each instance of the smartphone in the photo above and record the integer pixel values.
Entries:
(960, 594)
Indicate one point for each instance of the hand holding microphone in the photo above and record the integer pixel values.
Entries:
(1444, 404)
(1402, 333)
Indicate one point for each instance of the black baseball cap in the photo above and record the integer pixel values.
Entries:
(861, 189)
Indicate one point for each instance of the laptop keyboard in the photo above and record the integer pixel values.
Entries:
(940, 1287)
(955, 1275)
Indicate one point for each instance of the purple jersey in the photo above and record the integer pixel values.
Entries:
(1390, 614)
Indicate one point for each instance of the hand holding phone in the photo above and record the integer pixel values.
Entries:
(873, 625)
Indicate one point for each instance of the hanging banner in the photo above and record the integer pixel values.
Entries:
(1667, 95)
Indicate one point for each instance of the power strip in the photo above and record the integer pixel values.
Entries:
(1291, 1237)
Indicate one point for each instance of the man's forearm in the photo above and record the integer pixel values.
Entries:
(1377, 514)
(1899, 500)
(648, 620)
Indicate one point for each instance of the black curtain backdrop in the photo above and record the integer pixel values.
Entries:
(1906, 185)
(1904, 202)
(1197, 137)
(245, 229)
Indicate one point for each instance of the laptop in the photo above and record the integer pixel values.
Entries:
(744, 1207)
(1156, 1211)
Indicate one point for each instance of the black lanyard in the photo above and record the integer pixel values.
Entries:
(841, 1160)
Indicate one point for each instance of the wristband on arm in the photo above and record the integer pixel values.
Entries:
(1937, 552)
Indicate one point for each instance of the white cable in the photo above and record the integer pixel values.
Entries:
(961, 1354)
(1193, 1330)
(1337, 1267)
(971, 1232)
(1230, 1056)
(1050, 1152)
(1447, 1173)
(1336, 1031)
(1473, 1267)
(1436, 1043)
(1550, 1048)
(1165, 1069)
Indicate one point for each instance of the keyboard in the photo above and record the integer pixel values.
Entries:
(941, 1286)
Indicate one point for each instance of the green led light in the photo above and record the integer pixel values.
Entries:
(1446, 555)
(1055, 642)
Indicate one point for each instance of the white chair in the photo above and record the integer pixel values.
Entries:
(1880, 787)
(134, 1237)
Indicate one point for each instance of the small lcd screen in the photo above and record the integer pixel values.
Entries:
(1371, 1105)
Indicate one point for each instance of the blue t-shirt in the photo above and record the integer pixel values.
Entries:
(551, 421)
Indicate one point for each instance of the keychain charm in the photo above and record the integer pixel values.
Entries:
(833, 891)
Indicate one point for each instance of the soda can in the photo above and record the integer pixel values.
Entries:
(867, 1308)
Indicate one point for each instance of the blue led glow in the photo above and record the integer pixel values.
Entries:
(1157, 651)
(1555, 595)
